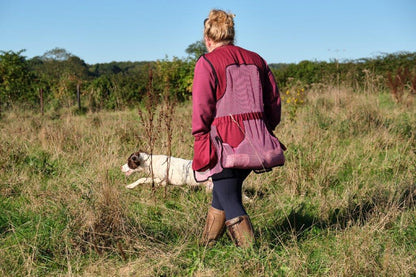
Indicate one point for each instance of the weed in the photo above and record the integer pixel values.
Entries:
(343, 204)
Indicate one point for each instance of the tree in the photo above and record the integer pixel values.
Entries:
(59, 73)
(56, 54)
(57, 62)
(176, 76)
(196, 49)
(15, 78)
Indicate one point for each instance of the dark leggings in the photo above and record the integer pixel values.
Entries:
(227, 192)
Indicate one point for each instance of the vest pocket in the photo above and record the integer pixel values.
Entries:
(204, 153)
(231, 133)
(259, 150)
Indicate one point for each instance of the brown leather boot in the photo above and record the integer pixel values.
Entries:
(241, 231)
(214, 226)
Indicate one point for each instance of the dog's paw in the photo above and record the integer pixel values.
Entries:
(247, 199)
(131, 186)
(209, 185)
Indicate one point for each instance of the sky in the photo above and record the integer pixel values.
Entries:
(281, 31)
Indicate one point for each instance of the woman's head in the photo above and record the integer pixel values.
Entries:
(219, 27)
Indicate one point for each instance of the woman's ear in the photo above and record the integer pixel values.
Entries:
(208, 43)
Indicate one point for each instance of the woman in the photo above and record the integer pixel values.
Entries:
(234, 92)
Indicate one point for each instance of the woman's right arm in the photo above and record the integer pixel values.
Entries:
(203, 113)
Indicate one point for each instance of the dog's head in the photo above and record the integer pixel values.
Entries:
(134, 160)
(133, 163)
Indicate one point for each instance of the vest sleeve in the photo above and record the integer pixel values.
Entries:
(272, 102)
(203, 113)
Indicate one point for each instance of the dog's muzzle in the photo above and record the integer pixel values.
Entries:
(126, 169)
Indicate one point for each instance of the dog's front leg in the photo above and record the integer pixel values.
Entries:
(145, 181)
(139, 182)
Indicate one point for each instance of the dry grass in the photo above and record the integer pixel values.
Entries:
(344, 203)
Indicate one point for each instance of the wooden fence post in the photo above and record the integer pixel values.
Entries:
(41, 101)
(78, 96)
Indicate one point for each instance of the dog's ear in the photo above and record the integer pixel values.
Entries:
(141, 151)
(134, 161)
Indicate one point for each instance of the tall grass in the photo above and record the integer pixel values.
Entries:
(344, 203)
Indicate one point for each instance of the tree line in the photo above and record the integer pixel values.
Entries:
(57, 76)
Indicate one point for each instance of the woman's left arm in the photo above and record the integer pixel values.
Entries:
(271, 100)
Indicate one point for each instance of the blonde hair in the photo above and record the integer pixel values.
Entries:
(219, 26)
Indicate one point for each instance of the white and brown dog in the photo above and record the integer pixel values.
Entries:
(180, 170)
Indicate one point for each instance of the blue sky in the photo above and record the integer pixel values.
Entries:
(280, 31)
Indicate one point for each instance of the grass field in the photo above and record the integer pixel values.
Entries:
(343, 205)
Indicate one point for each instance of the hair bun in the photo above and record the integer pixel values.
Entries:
(219, 26)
